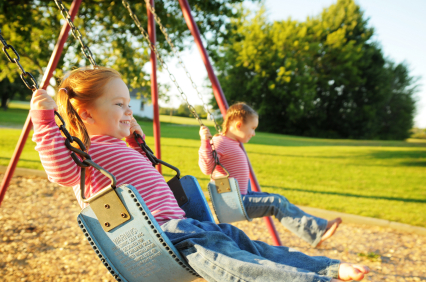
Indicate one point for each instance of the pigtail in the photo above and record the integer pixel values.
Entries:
(75, 125)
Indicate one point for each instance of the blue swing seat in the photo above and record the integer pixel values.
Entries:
(228, 205)
(138, 250)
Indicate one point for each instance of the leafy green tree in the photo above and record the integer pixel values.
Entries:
(167, 111)
(323, 77)
(33, 26)
(183, 111)
(200, 111)
(13, 89)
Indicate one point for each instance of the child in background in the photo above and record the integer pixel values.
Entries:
(95, 105)
(239, 125)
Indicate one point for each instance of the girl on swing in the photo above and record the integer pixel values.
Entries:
(95, 105)
(239, 125)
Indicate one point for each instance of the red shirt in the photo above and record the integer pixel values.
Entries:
(128, 165)
(231, 156)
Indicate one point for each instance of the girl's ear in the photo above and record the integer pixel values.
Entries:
(85, 116)
(238, 124)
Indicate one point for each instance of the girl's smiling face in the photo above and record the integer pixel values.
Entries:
(110, 114)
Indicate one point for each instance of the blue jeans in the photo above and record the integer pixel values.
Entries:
(222, 252)
(306, 226)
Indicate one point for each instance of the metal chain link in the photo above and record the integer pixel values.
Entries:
(15, 60)
(161, 61)
(176, 52)
(69, 139)
(76, 33)
(172, 46)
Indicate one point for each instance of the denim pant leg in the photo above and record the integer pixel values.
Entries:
(222, 252)
(305, 226)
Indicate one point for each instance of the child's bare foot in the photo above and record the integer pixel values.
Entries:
(331, 228)
(349, 271)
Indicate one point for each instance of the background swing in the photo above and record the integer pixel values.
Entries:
(52, 64)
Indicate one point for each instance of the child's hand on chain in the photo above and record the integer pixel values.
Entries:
(42, 101)
(135, 127)
(205, 133)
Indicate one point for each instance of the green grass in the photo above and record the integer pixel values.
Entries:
(382, 179)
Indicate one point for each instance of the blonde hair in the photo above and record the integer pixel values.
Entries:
(79, 90)
(237, 112)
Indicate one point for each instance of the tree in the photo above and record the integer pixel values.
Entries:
(32, 27)
(200, 111)
(10, 89)
(324, 77)
(183, 111)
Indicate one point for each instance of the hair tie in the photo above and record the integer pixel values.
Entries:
(66, 91)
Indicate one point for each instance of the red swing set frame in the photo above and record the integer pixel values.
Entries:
(217, 91)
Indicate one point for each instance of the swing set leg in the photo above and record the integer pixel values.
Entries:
(53, 62)
(221, 101)
(154, 86)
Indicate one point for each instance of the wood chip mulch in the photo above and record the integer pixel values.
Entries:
(40, 240)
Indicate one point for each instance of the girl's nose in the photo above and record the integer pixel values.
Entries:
(129, 111)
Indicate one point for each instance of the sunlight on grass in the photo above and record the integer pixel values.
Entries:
(382, 179)
(184, 120)
(24, 105)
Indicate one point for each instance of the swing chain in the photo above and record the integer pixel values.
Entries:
(15, 60)
(161, 61)
(70, 139)
(172, 46)
(75, 32)
(150, 154)
(87, 160)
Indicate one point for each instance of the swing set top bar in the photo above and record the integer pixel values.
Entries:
(217, 90)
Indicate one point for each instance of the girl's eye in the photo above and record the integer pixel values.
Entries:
(129, 106)
(119, 104)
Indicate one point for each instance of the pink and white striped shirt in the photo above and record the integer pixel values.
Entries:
(128, 165)
(231, 156)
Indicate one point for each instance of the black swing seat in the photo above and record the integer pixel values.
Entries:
(137, 249)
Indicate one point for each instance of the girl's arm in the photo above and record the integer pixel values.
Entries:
(205, 160)
(54, 156)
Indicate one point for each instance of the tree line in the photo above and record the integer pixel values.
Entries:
(324, 77)
(33, 27)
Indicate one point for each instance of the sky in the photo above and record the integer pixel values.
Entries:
(399, 27)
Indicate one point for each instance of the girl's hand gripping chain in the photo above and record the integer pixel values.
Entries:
(205, 133)
(42, 101)
(135, 127)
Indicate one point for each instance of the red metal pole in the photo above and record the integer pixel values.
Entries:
(221, 101)
(45, 82)
(268, 220)
(154, 86)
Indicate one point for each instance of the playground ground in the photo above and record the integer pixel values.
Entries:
(40, 240)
